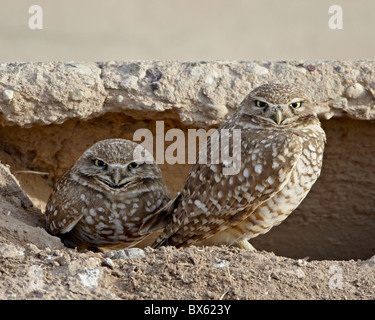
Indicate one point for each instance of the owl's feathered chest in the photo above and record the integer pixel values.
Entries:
(301, 177)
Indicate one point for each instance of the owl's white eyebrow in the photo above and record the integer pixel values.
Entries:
(260, 99)
(296, 100)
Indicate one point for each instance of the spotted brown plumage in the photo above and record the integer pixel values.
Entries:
(280, 154)
(103, 199)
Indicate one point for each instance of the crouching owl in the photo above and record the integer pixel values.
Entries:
(103, 199)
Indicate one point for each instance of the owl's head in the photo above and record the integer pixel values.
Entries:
(113, 166)
(277, 104)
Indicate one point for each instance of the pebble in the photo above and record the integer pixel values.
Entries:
(62, 259)
(221, 263)
(77, 67)
(310, 67)
(130, 82)
(220, 110)
(155, 86)
(109, 84)
(131, 68)
(90, 277)
(354, 91)
(107, 262)
(301, 262)
(8, 95)
(52, 118)
(339, 69)
(196, 71)
(209, 80)
(10, 251)
(300, 69)
(77, 95)
(32, 248)
(153, 75)
(257, 69)
(132, 253)
(340, 103)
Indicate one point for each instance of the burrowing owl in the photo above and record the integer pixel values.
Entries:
(102, 200)
(281, 150)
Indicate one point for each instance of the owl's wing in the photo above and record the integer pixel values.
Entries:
(211, 201)
(63, 209)
(160, 218)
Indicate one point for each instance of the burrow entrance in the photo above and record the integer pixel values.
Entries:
(335, 221)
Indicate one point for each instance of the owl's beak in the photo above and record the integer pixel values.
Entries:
(116, 177)
(279, 116)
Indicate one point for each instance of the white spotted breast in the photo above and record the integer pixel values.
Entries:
(273, 211)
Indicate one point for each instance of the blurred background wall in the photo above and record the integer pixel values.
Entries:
(100, 30)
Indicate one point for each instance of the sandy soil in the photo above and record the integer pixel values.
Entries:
(192, 273)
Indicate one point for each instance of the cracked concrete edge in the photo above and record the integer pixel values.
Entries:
(196, 93)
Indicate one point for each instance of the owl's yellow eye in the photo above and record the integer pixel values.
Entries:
(100, 163)
(133, 165)
(295, 105)
(261, 104)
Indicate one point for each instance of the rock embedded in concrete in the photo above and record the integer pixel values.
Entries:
(354, 91)
(257, 69)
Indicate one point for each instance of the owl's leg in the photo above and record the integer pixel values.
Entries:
(244, 244)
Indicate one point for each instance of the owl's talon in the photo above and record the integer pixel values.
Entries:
(244, 244)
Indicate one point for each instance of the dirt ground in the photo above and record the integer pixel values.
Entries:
(193, 273)
(35, 265)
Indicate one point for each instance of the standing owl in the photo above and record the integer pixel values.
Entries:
(280, 152)
(103, 199)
